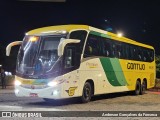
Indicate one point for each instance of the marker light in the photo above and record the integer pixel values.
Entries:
(64, 32)
(55, 92)
(17, 83)
(33, 39)
(53, 83)
(26, 33)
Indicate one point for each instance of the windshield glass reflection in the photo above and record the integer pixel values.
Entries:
(38, 55)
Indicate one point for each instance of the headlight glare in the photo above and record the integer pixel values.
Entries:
(53, 83)
(17, 83)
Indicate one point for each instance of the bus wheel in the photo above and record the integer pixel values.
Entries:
(143, 88)
(138, 88)
(87, 92)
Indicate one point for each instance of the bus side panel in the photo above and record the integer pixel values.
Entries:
(109, 75)
(71, 85)
(104, 74)
(114, 75)
(134, 70)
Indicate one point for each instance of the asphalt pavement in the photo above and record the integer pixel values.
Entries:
(9, 89)
(109, 102)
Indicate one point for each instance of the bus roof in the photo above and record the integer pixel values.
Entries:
(115, 37)
(68, 28)
(52, 29)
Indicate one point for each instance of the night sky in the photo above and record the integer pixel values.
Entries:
(137, 19)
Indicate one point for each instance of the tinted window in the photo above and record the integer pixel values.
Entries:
(80, 35)
(92, 46)
(101, 46)
(69, 57)
(107, 47)
(118, 51)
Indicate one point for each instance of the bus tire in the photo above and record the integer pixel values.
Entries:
(137, 88)
(143, 88)
(87, 93)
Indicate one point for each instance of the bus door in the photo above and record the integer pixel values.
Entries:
(71, 64)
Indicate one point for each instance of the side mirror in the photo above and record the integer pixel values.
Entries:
(8, 48)
(63, 43)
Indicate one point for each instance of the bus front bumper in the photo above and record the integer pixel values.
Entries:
(48, 92)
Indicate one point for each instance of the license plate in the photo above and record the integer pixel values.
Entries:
(33, 95)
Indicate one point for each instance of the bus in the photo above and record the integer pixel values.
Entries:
(66, 61)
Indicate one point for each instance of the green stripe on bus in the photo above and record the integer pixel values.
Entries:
(100, 34)
(118, 71)
(106, 36)
(95, 33)
(113, 71)
(109, 71)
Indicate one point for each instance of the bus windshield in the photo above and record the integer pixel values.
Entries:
(38, 55)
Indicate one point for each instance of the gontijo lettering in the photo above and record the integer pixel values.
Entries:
(136, 66)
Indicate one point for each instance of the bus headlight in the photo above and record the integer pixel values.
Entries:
(17, 83)
(53, 83)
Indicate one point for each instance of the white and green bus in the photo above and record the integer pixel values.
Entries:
(68, 61)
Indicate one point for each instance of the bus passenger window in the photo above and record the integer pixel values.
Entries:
(92, 46)
(80, 35)
(145, 55)
(113, 50)
(107, 49)
(139, 56)
(151, 54)
(127, 52)
(118, 51)
(89, 50)
(136, 56)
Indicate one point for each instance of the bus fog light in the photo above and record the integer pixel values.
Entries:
(16, 91)
(55, 92)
